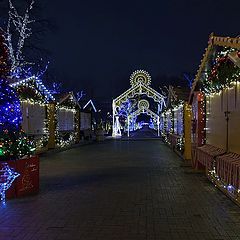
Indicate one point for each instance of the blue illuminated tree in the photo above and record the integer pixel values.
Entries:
(128, 107)
(13, 142)
(10, 111)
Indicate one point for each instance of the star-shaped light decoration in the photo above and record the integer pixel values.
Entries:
(7, 177)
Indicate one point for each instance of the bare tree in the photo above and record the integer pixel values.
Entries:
(21, 24)
(80, 95)
(26, 54)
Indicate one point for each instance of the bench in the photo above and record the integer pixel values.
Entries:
(206, 156)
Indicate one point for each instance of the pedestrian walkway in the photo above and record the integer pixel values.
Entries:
(145, 132)
(120, 190)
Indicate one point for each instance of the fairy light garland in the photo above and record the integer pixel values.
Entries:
(32, 91)
(167, 125)
(68, 105)
(222, 74)
(37, 86)
(217, 181)
(179, 124)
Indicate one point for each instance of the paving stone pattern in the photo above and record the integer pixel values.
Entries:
(120, 190)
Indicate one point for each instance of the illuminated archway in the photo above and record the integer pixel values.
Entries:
(140, 85)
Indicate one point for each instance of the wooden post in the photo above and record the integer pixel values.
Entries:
(77, 125)
(187, 131)
(201, 119)
(52, 125)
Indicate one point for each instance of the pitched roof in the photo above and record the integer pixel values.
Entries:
(213, 42)
(90, 102)
(61, 98)
(40, 87)
(139, 89)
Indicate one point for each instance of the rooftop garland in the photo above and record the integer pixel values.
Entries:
(222, 73)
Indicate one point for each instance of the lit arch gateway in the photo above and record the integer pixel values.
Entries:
(140, 82)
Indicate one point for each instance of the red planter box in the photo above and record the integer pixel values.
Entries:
(28, 181)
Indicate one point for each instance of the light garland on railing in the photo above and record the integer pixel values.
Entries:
(231, 190)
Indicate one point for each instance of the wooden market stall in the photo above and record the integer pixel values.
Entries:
(88, 120)
(36, 103)
(67, 120)
(176, 121)
(215, 99)
(85, 125)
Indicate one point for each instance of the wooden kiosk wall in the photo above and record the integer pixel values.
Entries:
(223, 119)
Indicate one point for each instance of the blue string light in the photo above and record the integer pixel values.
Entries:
(13, 142)
(39, 86)
(10, 109)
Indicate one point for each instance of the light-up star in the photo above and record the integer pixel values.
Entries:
(7, 177)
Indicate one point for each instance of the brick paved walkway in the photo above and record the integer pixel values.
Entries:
(120, 191)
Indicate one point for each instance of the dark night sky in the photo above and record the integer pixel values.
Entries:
(98, 44)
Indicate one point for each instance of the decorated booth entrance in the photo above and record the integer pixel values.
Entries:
(138, 106)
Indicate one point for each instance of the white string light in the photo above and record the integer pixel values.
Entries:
(21, 24)
(7, 177)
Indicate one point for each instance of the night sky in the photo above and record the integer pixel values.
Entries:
(96, 45)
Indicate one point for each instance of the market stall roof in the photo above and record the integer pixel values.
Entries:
(64, 97)
(35, 83)
(214, 41)
(90, 105)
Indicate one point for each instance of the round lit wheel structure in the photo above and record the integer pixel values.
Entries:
(140, 76)
(143, 104)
